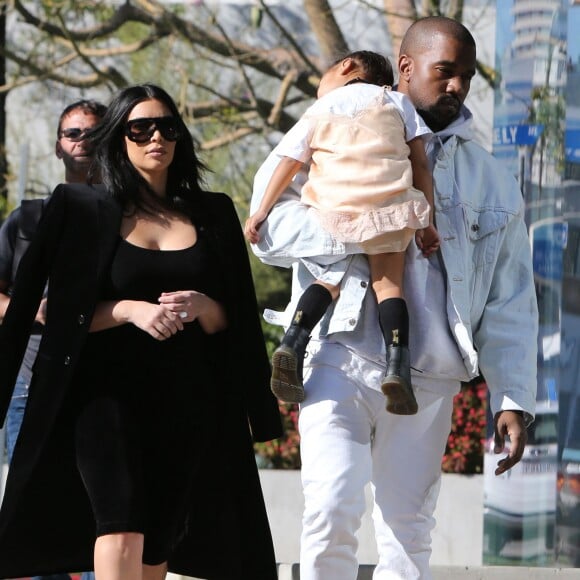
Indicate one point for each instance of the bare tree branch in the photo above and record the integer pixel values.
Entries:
(239, 65)
(455, 9)
(273, 62)
(125, 13)
(163, 22)
(230, 85)
(276, 112)
(84, 58)
(330, 37)
(230, 138)
(118, 50)
(290, 39)
(400, 14)
(39, 74)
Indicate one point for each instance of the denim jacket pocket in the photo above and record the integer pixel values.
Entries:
(483, 229)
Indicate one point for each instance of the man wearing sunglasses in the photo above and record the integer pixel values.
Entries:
(15, 235)
(71, 146)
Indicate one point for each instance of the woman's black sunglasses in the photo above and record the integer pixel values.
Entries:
(141, 130)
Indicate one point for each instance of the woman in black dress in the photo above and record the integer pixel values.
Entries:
(148, 414)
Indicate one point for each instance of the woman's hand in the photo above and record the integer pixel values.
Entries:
(41, 314)
(155, 319)
(190, 305)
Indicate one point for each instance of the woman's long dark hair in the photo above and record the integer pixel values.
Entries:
(118, 174)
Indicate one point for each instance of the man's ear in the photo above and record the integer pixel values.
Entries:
(58, 150)
(405, 67)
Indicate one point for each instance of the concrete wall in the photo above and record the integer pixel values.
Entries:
(292, 572)
(457, 537)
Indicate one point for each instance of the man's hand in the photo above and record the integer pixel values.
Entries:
(509, 423)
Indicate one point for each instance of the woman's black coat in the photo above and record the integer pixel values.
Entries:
(46, 523)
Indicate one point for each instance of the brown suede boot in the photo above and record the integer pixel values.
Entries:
(396, 384)
(287, 364)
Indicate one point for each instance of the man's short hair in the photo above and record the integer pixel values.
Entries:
(87, 106)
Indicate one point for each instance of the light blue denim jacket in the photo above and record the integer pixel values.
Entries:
(472, 308)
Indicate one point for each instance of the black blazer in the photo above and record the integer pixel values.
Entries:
(46, 524)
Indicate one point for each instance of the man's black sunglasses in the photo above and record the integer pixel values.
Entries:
(141, 130)
(73, 134)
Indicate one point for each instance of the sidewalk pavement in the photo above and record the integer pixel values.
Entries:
(292, 572)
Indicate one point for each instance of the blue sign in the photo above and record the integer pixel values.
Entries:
(573, 145)
(548, 243)
(550, 384)
(517, 134)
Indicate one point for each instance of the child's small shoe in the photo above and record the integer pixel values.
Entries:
(286, 382)
(287, 365)
(396, 384)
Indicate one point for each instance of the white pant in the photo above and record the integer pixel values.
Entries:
(347, 440)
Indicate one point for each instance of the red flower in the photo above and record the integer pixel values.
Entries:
(464, 452)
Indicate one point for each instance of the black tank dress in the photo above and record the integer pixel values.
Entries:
(140, 434)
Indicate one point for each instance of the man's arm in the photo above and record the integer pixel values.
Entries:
(12, 246)
(507, 343)
(26, 301)
(507, 335)
(8, 233)
(5, 301)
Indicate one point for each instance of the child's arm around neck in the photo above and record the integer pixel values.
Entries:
(285, 171)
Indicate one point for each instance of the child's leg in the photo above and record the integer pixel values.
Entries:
(387, 281)
(288, 358)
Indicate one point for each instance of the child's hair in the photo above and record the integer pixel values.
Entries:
(377, 69)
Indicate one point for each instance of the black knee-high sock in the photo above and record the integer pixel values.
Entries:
(311, 306)
(394, 321)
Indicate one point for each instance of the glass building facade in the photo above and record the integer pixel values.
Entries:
(532, 513)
